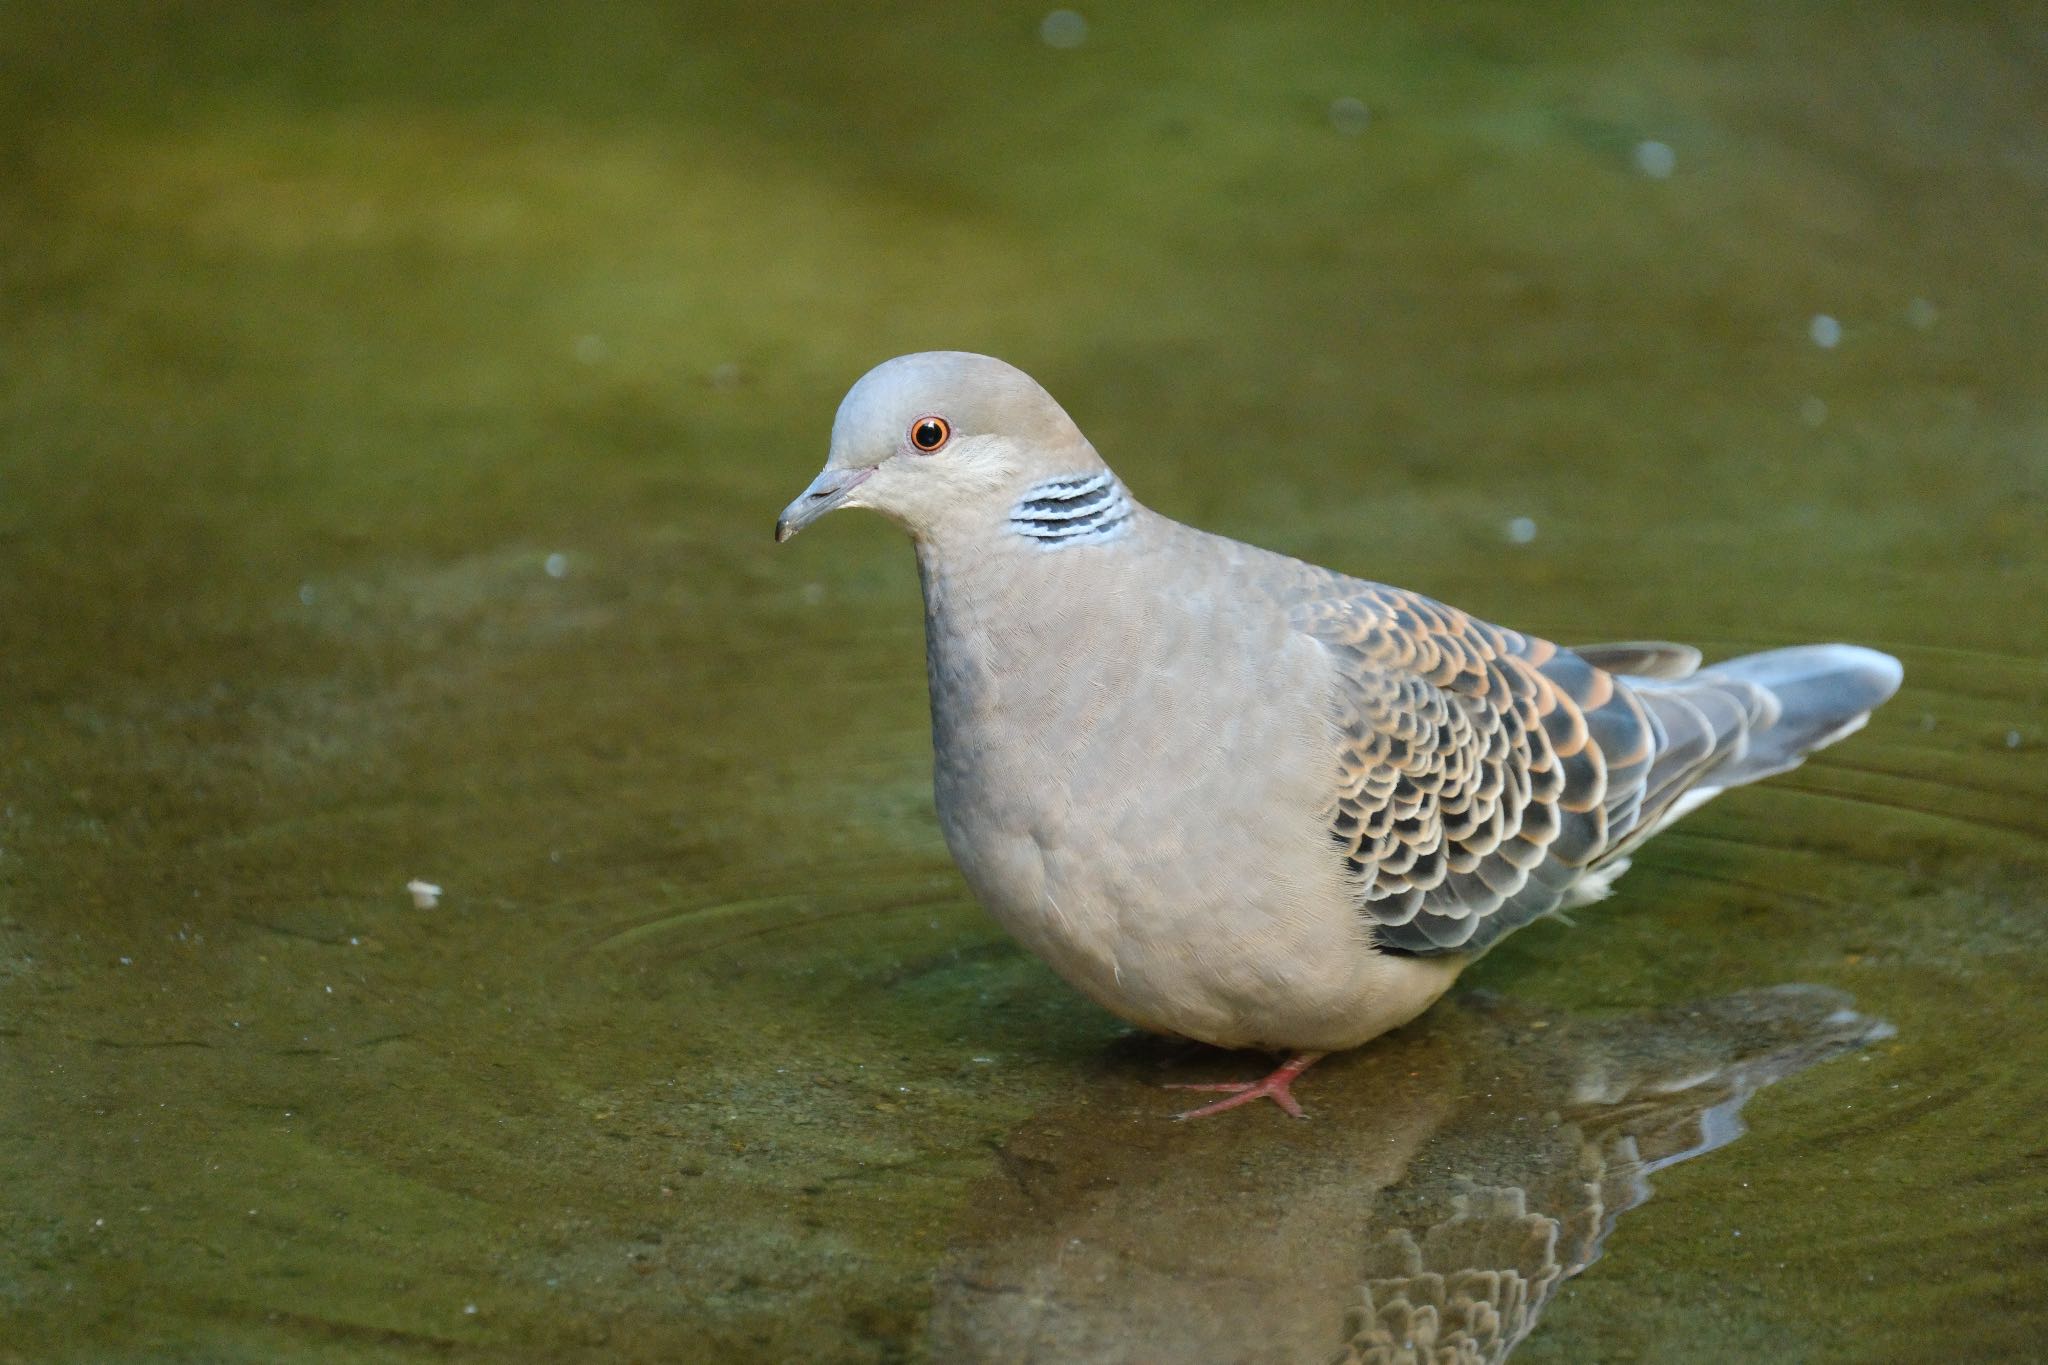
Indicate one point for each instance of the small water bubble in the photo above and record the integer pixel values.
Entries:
(1063, 28)
(306, 594)
(591, 350)
(1813, 411)
(1922, 313)
(556, 565)
(469, 1310)
(1656, 159)
(1826, 331)
(2012, 741)
(1349, 116)
(1521, 530)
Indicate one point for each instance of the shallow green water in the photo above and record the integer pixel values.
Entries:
(321, 333)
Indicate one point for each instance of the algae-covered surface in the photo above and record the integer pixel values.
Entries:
(395, 402)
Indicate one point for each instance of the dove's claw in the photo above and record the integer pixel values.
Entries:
(1274, 1087)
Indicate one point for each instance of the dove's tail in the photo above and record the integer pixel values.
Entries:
(1823, 693)
(1748, 718)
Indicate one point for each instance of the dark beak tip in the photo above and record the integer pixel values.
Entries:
(782, 532)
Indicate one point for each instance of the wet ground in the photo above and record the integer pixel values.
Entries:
(395, 402)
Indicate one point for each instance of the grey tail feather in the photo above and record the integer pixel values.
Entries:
(1823, 693)
(1748, 718)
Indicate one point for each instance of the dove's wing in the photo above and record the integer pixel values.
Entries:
(1643, 658)
(1481, 771)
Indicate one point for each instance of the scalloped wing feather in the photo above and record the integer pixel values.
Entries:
(1482, 772)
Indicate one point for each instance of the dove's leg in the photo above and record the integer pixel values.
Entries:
(1274, 1088)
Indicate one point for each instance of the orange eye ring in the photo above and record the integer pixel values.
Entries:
(929, 434)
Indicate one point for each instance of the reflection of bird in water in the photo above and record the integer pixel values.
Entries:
(1493, 1152)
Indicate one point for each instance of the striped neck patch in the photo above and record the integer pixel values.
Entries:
(1072, 509)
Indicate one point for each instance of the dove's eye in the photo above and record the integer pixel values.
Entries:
(929, 433)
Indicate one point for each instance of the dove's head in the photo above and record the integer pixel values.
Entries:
(941, 439)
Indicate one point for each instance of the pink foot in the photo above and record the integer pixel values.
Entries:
(1274, 1088)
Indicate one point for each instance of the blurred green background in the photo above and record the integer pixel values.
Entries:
(395, 402)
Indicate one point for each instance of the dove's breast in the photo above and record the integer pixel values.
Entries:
(1165, 848)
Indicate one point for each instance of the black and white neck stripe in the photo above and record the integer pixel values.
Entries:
(1073, 509)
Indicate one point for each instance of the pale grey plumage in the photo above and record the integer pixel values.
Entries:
(1238, 797)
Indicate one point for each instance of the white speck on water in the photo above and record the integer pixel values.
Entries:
(1349, 116)
(1521, 530)
(591, 350)
(2012, 741)
(469, 1310)
(130, 962)
(306, 594)
(1825, 331)
(330, 990)
(1063, 28)
(556, 565)
(99, 1222)
(1656, 159)
(354, 942)
(425, 895)
(1922, 313)
(1813, 411)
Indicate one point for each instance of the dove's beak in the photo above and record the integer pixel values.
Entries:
(826, 492)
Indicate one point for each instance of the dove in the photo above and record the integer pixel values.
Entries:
(1239, 798)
